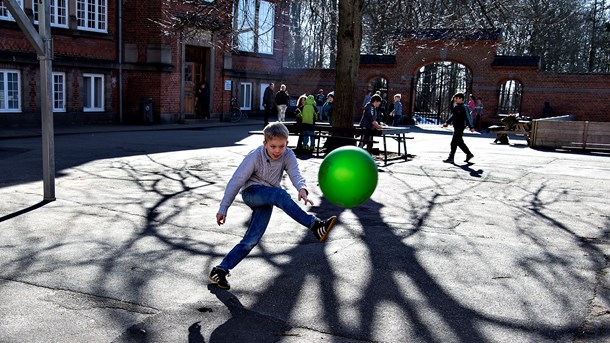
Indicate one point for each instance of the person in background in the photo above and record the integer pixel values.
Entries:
(547, 110)
(282, 98)
(471, 103)
(397, 110)
(268, 102)
(478, 113)
(369, 122)
(327, 109)
(320, 100)
(299, 120)
(202, 108)
(308, 115)
(367, 98)
(460, 118)
(382, 110)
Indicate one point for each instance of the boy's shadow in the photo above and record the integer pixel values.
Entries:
(245, 325)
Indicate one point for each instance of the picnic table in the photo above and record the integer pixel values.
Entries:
(512, 126)
(356, 135)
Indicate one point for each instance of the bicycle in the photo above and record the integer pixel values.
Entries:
(236, 113)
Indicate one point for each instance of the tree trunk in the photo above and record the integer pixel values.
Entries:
(349, 37)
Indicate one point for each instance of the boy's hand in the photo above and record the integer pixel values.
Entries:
(303, 195)
(220, 218)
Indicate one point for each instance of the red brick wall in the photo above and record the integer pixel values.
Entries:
(585, 95)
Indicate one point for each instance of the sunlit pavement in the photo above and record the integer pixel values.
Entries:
(512, 248)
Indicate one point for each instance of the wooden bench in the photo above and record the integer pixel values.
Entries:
(518, 128)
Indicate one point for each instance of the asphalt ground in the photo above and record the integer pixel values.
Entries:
(512, 248)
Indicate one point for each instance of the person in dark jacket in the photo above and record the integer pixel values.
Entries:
(369, 122)
(268, 102)
(282, 98)
(460, 118)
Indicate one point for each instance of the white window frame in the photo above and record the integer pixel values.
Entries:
(91, 93)
(59, 92)
(92, 15)
(14, 95)
(59, 12)
(4, 12)
(245, 96)
(254, 25)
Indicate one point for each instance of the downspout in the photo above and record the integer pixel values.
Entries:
(182, 46)
(120, 14)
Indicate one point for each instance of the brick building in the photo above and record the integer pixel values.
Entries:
(105, 68)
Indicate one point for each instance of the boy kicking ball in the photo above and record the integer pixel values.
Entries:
(258, 177)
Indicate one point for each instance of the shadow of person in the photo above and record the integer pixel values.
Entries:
(245, 325)
(195, 334)
(473, 172)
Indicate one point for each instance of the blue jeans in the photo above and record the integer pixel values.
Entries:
(307, 137)
(261, 200)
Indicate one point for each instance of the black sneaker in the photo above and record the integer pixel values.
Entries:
(219, 277)
(321, 228)
(468, 157)
(449, 160)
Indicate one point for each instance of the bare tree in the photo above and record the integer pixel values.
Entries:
(349, 37)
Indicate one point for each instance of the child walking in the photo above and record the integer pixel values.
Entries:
(258, 177)
(460, 118)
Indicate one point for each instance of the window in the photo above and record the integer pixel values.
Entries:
(9, 91)
(245, 96)
(510, 97)
(4, 12)
(94, 92)
(255, 23)
(59, 92)
(91, 15)
(59, 13)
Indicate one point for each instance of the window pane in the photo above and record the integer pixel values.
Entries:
(9, 91)
(91, 15)
(266, 19)
(88, 92)
(59, 92)
(246, 10)
(98, 93)
(510, 97)
(13, 90)
(2, 96)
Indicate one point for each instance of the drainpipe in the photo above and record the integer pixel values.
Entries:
(182, 76)
(120, 14)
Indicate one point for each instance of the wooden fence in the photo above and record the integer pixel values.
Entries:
(566, 133)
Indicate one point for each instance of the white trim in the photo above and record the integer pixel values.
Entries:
(245, 96)
(4, 12)
(55, 13)
(96, 94)
(100, 21)
(4, 95)
(62, 92)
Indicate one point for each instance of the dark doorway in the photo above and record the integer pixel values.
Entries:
(197, 68)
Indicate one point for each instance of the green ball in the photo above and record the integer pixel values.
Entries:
(348, 176)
